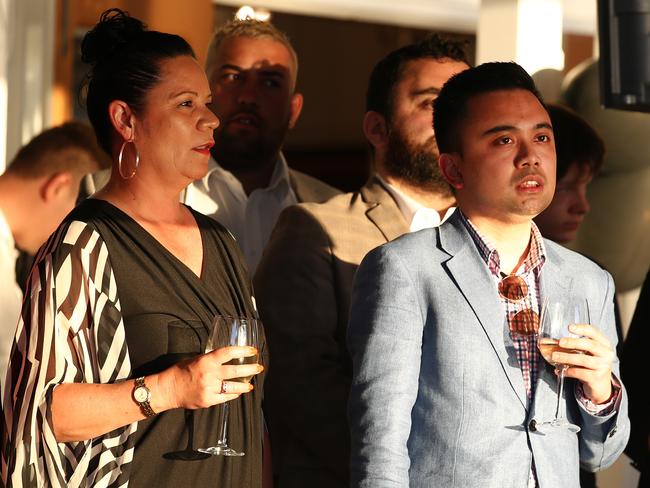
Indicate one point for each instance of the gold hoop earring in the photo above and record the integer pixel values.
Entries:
(121, 154)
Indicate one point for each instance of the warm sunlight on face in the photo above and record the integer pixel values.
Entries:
(174, 132)
(507, 163)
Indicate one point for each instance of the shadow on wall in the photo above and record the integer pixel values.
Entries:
(616, 232)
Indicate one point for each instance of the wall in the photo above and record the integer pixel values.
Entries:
(192, 19)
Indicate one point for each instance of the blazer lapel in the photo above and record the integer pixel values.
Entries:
(554, 282)
(476, 284)
(382, 210)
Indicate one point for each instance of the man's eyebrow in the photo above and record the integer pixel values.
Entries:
(499, 128)
(504, 128)
(266, 71)
(233, 67)
(273, 72)
(544, 125)
(432, 90)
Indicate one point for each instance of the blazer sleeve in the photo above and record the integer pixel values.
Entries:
(603, 437)
(71, 330)
(385, 340)
(308, 382)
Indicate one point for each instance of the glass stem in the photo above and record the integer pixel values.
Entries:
(224, 425)
(560, 389)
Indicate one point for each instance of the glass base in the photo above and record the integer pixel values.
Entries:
(557, 424)
(220, 450)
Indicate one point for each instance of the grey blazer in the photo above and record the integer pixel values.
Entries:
(437, 396)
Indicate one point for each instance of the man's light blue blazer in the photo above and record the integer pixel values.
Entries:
(438, 398)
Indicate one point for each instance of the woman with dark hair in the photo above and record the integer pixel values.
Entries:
(107, 383)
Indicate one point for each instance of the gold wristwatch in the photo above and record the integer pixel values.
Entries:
(142, 395)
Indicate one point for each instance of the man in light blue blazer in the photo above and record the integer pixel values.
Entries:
(449, 388)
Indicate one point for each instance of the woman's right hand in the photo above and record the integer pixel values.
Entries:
(197, 383)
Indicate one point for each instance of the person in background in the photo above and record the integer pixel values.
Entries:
(580, 152)
(252, 69)
(108, 384)
(304, 280)
(37, 191)
(449, 387)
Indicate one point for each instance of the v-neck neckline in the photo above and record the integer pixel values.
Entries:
(158, 244)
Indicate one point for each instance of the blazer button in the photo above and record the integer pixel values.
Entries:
(532, 425)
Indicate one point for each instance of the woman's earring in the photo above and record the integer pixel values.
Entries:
(119, 160)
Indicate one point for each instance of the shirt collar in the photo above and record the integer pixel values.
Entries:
(7, 238)
(5, 231)
(488, 252)
(416, 215)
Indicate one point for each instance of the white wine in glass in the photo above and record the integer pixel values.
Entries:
(232, 331)
(247, 360)
(548, 346)
(557, 316)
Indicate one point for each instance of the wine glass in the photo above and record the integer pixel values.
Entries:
(557, 316)
(231, 331)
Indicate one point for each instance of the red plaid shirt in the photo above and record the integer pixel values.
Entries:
(525, 345)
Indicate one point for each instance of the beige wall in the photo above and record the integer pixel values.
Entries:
(192, 19)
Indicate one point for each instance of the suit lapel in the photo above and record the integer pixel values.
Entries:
(554, 283)
(474, 281)
(382, 210)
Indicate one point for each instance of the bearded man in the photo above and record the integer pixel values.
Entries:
(304, 281)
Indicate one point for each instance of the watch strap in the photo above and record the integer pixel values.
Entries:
(145, 406)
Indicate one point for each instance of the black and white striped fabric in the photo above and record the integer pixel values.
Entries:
(107, 302)
(71, 330)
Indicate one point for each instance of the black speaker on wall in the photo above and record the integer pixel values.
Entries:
(624, 40)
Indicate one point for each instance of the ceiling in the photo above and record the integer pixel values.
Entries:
(458, 15)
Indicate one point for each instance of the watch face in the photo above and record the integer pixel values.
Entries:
(141, 394)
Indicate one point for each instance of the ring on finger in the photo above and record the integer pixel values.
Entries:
(224, 387)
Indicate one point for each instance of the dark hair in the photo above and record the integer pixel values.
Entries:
(125, 60)
(69, 147)
(388, 71)
(449, 109)
(575, 141)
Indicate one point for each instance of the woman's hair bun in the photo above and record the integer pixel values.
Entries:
(114, 30)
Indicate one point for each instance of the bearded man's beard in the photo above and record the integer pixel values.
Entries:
(416, 164)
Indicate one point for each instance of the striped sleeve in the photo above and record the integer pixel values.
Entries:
(71, 330)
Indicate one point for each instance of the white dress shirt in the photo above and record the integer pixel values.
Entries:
(11, 296)
(416, 215)
(220, 195)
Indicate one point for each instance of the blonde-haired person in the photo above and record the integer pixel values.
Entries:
(252, 69)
